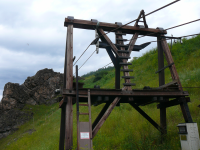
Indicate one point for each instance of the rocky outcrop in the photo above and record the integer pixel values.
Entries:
(36, 90)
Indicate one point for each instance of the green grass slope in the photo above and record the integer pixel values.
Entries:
(125, 128)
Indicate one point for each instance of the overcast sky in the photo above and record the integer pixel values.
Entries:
(32, 32)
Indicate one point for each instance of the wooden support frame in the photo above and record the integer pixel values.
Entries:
(126, 95)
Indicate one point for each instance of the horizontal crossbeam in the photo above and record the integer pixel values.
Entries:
(115, 92)
(172, 103)
(85, 24)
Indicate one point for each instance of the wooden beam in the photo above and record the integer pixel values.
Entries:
(172, 103)
(85, 24)
(106, 39)
(169, 59)
(137, 93)
(62, 129)
(163, 113)
(100, 115)
(105, 116)
(69, 85)
(185, 111)
(132, 42)
(168, 84)
(111, 55)
(146, 116)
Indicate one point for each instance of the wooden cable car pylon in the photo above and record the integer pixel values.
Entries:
(119, 54)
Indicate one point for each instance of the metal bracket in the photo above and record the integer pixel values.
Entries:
(71, 18)
(118, 23)
(141, 26)
(96, 21)
(160, 28)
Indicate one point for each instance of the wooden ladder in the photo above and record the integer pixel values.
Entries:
(84, 129)
(124, 60)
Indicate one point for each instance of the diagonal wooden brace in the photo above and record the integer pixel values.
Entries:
(132, 42)
(146, 116)
(170, 60)
(105, 116)
(106, 39)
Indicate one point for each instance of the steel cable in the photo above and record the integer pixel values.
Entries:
(126, 25)
(182, 24)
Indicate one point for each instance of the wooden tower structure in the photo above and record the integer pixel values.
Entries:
(119, 54)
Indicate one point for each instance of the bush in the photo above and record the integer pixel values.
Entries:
(99, 75)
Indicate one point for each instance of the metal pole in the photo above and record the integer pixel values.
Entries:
(77, 107)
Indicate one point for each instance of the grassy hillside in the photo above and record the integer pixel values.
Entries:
(125, 128)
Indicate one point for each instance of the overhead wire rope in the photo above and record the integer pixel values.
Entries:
(182, 24)
(86, 61)
(126, 25)
(82, 54)
(155, 41)
(144, 15)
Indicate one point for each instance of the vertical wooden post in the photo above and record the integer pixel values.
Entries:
(117, 74)
(163, 121)
(69, 85)
(62, 128)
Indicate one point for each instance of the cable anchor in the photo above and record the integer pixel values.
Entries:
(96, 41)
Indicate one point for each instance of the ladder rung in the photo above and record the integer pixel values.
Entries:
(121, 39)
(128, 77)
(125, 63)
(83, 113)
(83, 96)
(83, 104)
(126, 70)
(120, 45)
(123, 51)
(124, 57)
(129, 84)
(120, 33)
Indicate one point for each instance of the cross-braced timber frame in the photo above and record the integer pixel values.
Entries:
(119, 54)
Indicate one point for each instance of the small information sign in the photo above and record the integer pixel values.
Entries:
(84, 135)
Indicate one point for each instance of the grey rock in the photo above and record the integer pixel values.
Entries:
(36, 90)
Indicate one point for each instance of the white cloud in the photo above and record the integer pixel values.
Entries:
(33, 35)
(25, 61)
